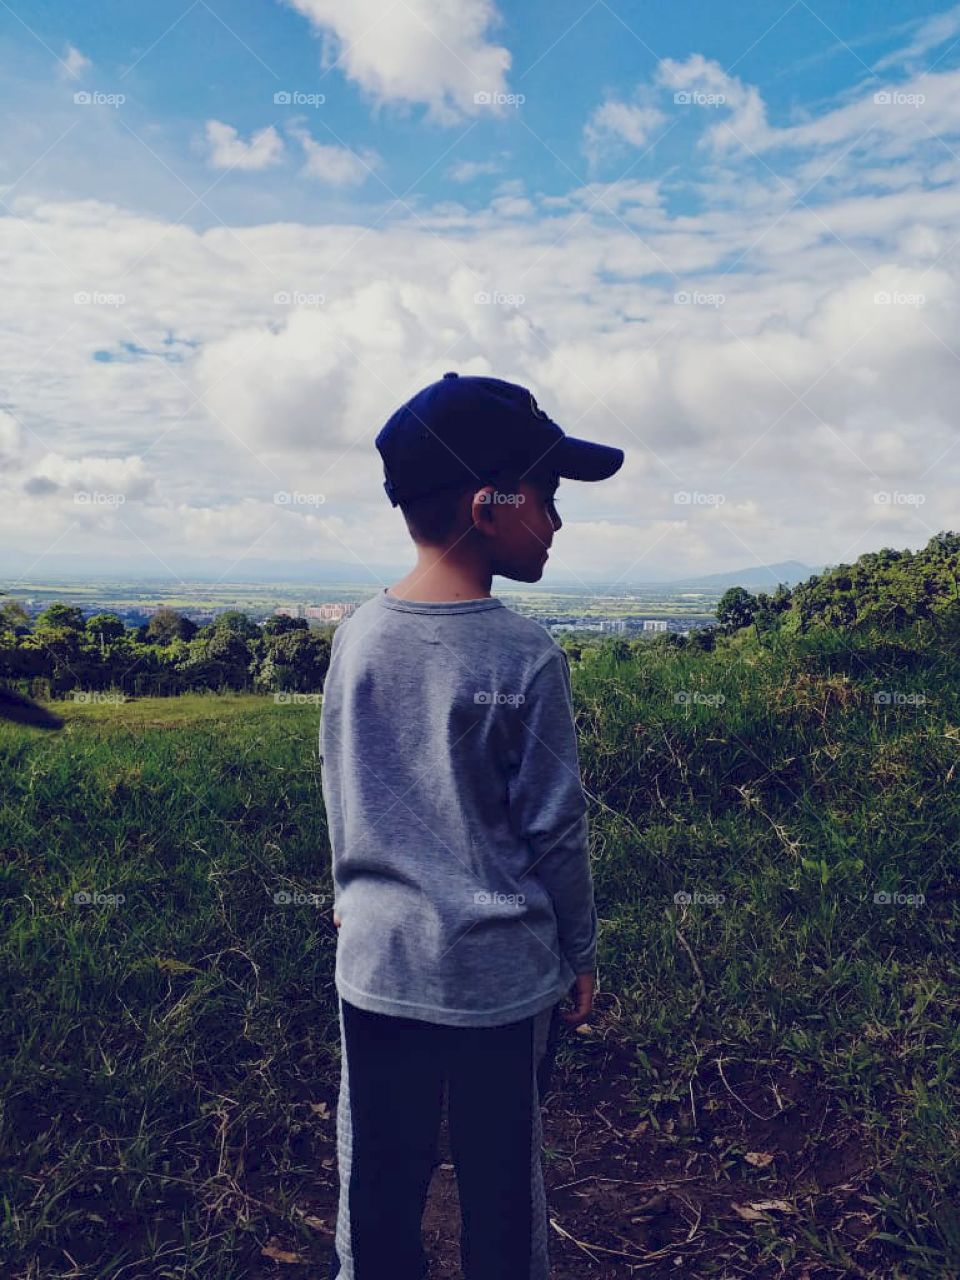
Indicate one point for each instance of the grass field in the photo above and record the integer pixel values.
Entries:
(791, 1038)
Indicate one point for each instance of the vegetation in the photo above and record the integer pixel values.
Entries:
(63, 652)
(885, 589)
(775, 830)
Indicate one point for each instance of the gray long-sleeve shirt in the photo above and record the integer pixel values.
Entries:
(456, 815)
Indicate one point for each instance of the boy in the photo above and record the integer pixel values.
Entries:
(462, 887)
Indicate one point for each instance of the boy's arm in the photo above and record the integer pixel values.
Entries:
(325, 746)
(548, 805)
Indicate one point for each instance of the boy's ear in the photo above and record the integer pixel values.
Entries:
(481, 508)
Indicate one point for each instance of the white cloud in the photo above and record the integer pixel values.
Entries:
(615, 123)
(334, 164)
(885, 121)
(10, 443)
(73, 63)
(798, 396)
(512, 206)
(930, 34)
(416, 51)
(227, 150)
(62, 475)
(746, 124)
(467, 170)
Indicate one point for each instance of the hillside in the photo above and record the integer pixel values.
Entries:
(770, 1086)
(884, 589)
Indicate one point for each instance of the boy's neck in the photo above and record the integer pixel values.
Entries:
(437, 577)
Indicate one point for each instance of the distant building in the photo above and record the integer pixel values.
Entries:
(332, 612)
(614, 624)
(287, 611)
(654, 624)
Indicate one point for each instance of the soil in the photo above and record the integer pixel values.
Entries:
(723, 1182)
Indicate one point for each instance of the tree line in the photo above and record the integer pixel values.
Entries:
(61, 651)
(884, 590)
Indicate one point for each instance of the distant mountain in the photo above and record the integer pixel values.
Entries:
(756, 578)
(66, 566)
(73, 567)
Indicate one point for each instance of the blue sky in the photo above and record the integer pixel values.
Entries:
(678, 226)
(181, 64)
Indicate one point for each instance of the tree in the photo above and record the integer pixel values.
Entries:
(14, 618)
(223, 659)
(229, 652)
(105, 628)
(735, 609)
(238, 623)
(60, 617)
(703, 639)
(279, 624)
(167, 624)
(296, 661)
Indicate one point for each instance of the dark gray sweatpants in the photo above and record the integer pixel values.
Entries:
(393, 1072)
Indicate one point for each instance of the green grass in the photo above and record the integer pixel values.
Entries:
(160, 1054)
(161, 1049)
(797, 798)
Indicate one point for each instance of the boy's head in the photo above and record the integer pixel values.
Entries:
(474, 463)
(510, 520)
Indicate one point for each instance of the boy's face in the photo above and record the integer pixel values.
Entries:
(520, 523)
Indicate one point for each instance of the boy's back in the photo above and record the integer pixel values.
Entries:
(457, 818)
(457, 823)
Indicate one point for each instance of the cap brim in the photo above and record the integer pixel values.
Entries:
(583, 460)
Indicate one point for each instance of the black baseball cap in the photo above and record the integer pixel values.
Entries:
(471, 428)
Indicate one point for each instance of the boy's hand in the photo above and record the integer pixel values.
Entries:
(581, 993)
(336, 921)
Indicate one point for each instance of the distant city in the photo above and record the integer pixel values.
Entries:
(615, 608)
(335, 611)
(332, 611)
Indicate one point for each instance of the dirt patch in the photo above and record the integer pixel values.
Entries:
(726, 1182)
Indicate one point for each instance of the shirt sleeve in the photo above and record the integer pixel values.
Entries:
(328, 751)
(548, 806)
